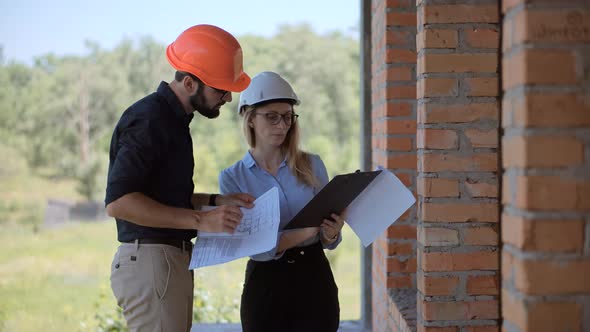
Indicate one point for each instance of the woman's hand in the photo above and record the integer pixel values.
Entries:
(330, 229)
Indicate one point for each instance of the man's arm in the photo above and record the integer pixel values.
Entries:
(139, 209)
(198, 200)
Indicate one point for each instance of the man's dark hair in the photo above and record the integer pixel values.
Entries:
(180, 75)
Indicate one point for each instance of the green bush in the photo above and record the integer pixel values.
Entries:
(225, 311)
(28, 214)
(109, 317)
(88, 180)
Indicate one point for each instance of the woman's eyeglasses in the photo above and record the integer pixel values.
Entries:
(275, 118)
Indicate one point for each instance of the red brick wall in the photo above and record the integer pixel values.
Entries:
(545, 208)
(457, 141)
(546, 156)
(394, 147)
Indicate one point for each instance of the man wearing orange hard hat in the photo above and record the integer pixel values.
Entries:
(150, 187)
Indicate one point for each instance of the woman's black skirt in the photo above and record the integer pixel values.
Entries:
(294, 293)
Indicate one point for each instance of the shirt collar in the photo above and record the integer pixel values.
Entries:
(165, 91)
(249, 161)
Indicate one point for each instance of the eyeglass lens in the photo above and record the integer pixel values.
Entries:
(275, 118)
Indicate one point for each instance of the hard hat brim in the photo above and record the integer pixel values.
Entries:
(238, 85)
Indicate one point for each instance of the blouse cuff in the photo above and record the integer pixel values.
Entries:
(334, 244)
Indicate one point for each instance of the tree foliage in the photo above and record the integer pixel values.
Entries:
(60, 111)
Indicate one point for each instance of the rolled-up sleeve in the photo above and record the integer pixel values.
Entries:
(334, 244)
(139, 144)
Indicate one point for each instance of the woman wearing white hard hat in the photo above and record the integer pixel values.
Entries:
(291, 287)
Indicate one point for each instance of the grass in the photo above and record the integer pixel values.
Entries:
(51, 280)
(58, 279)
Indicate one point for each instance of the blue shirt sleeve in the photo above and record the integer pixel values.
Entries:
(320, 171)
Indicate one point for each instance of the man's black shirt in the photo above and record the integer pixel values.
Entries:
(152, 153)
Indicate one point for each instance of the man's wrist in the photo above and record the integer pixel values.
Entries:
(198, 221)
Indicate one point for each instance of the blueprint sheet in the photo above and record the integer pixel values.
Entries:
(256, 233)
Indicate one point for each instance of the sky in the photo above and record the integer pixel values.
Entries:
(30, 28)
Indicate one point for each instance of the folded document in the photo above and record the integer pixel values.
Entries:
(256, 233)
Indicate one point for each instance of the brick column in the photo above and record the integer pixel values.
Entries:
(546, 156)
(457, 137)
(394, 134)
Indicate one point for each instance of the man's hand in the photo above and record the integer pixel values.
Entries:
(238, 199)
(221, 219)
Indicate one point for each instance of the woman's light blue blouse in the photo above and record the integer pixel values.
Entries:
(246, 177)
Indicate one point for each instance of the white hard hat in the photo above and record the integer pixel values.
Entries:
(267, 86)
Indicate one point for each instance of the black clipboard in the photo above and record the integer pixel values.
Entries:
(333, 198)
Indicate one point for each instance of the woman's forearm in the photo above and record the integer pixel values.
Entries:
(291, 239)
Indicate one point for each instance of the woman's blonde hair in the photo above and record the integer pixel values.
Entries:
(298, 161)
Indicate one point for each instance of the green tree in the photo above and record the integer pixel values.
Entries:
(60, 112)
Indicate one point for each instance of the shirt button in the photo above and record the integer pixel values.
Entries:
(302, 252)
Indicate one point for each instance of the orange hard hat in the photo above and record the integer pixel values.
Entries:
(212, 54)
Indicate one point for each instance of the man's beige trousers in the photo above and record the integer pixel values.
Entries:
(153, 285)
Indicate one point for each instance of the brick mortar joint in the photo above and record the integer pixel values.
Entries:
(464, 274)
(459, 200)
(459, 227)
(456, 51)
(460, 298)
(401, 9)
(460, 249)
(462, 75)
(545, 215)
(552, 257)
(456, 101)
(461, 176)
(579, 132)
(577, 174)
(459, 323)
(533, 298)
(484, 124)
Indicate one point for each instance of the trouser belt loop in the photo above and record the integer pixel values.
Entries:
(136, 244)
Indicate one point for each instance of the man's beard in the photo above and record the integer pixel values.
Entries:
(198, 102)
